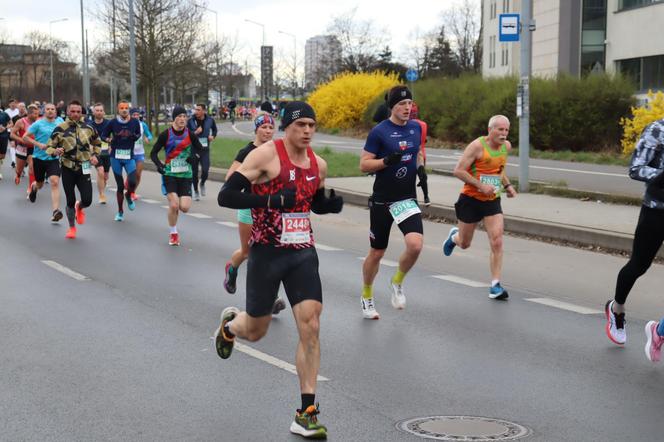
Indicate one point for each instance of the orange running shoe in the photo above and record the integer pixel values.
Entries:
(71, 233)
(80, 215)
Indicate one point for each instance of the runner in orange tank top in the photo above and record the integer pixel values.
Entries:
(482, 169)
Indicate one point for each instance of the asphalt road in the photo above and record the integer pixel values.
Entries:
(126, 353)
(580, 176)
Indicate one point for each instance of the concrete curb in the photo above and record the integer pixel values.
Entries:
(567, 233)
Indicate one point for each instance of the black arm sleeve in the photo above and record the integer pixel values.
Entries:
(236, 194)
(154, 153)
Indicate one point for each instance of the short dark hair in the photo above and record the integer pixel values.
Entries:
(202, 105)
(98, 104)
(75, 103)
(11, 100)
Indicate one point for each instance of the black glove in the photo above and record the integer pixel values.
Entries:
(422, 174)
(283, 200)
(334, 203)
(658, 180)
(393, 158)
(161, 169)
(190, 160)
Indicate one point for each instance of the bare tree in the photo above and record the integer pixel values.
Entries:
(361, 41)
(463, 20)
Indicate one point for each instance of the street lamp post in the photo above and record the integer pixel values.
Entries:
(51, 52)
(132, 55)
(86, 91)
(216, 34)
(294, 60)
(259, 24)
(263, 79)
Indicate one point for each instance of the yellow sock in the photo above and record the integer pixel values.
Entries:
(367, 291)
(398, 277)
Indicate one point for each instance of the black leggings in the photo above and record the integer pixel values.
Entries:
(120, 193)
(648, 238)
(70, 181)
(204, 161)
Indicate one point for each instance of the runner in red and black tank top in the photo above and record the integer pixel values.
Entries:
(267, 227)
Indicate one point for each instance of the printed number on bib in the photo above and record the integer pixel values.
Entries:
(179, 165)
(104, 146)
(85, 167)
(295, 228)
(204, 141)
(492, 180)
(402, 210)
(122, 154)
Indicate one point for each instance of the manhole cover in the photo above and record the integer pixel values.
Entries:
(463, 428)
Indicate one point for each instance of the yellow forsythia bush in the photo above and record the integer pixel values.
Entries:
(642, 116)
(341, 102)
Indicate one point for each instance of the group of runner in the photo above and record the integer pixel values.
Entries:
(276, 184)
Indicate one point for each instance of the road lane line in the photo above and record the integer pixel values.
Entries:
(271, 360)
(460, 280)
(164, 207)
(149, 201)
(227, 223)
(385, 262)
(327, 248)
(585, 172)
(239, 131)
(113, 189)
(67, 271)
(198, 215)
(564, 306)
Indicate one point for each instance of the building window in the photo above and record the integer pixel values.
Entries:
(504, 54)
(647, 72)
(631, 4)
(593, 35)
(492, 9)
(506, 6)
(492, 51)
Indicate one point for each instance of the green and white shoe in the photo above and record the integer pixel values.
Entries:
(224, 344)
(306, 424)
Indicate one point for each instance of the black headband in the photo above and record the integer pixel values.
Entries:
(397, 94)
(295, 110)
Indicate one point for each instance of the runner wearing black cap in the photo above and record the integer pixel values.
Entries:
(282, 181)
(392, 152)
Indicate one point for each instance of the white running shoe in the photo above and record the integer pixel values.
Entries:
(398, 298)
(615, 325)
(368, 309)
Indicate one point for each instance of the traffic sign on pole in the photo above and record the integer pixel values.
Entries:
(508, 28)
(411, 75)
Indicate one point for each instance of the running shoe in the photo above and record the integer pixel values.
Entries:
(102, 199)
(80, 214)
(32, 196)
(57, 216)
(130, 203)
(368, 309)
(398, 298)
(278, 306)
(224, 344)
(231, 276)
(615, 324)
(653, 342)
(119, 216)
(174, 239)
(498, 292)
(71, 233)
(449, 245)
(306, 424)
(427, 201)
(197, 196)
(202, 189)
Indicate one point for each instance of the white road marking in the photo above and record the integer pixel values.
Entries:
(585, 172)
(271, 359)
(227, 223)
(66, 270)
(149, 201)
(199, 215)
(385, 262)
(164, 207)
(326, 248)
(460, 280)
(113, 189)
(239, 131)
(564, 306)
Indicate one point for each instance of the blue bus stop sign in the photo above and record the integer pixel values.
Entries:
(411, 75)
(508, 28)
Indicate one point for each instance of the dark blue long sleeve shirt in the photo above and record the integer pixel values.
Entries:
(123, 135)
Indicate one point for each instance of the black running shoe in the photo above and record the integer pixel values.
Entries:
(33, 193)
(231, 276)
(278, 306)
(57, 216)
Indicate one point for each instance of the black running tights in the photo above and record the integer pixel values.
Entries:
(70, 181)
(648, 238)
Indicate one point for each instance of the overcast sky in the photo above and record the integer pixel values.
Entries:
(303, 18)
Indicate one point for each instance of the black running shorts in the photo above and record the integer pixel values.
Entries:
(3, 145)
(45, 168)
(380, 220)
(104, 161)
(471, 210)
(181, 186)
(269, 266)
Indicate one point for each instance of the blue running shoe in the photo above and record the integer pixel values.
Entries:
(448, 245)
(130, 203)
(119, 216)
(498, 292)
